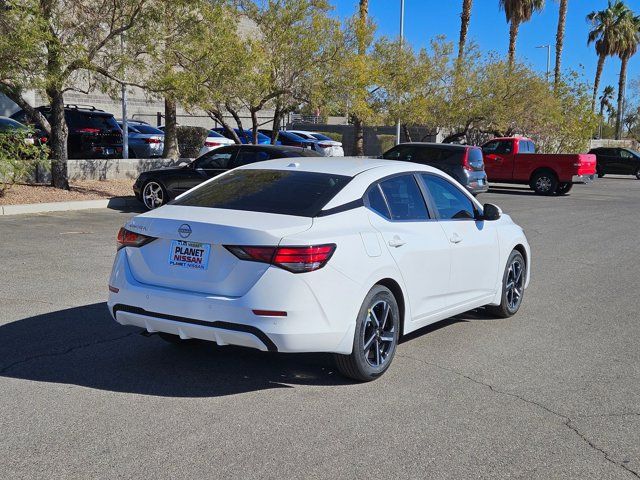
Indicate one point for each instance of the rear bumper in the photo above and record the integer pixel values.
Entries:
(583, 178)
(309, 326)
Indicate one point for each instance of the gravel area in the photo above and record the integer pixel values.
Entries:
(80, 190)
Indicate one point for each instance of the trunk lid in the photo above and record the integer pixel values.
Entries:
(219, 271)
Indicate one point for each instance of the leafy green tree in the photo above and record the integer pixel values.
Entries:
(627, 46)
(605, 33)
(65, 40)
(518, 12)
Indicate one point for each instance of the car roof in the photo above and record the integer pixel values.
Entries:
(348, 166)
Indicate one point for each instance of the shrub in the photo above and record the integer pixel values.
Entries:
(386, 142)
(190, 140)
(19, 157)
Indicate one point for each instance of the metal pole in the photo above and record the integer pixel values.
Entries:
(125, 123)
(401, 41)
(548, 47)
(548, 62)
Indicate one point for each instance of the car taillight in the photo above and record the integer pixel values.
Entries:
(465, 160)
(91, 131)
(152, 140)
(212, 144)
(293, 259)
(127, 238)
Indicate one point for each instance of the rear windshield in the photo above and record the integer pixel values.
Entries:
(301, 194)
(320, 136)
(91, 120)
(148, 129)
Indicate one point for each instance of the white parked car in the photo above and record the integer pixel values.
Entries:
(317, 255)
(214, 140)
(322, 144)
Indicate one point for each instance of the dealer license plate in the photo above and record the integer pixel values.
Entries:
(189, 254)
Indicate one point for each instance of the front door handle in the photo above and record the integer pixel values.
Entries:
(455, 238)
(396, 241)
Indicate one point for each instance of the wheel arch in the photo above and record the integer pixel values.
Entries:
(543, 169)
(398, 294)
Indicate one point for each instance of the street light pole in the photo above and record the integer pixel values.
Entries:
(401, 41)
(548, 47)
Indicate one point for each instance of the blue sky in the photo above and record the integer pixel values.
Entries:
(424, 19)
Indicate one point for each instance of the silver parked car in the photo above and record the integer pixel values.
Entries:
(145, 141)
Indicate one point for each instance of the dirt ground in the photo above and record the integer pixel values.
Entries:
(80, 190)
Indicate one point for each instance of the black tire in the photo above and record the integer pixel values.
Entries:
(174, 339)
(507, 307)
(376, 329)
(156, 196)
(564, 188)
(544, 182)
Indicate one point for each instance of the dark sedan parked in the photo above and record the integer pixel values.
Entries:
(621, 161)
(462, 162)
(156, 187)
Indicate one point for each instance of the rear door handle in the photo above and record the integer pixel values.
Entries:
(455, 238)
(396, 241)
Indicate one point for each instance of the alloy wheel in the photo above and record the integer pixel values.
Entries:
(543, 184)
(378, 334)
(153, 195)
(515, 284)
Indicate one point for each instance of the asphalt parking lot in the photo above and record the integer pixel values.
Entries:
(553, 392)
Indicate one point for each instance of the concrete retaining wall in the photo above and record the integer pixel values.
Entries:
(111, 169)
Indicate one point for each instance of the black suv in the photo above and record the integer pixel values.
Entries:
(462, 162)
(93, 133)
(622, 161)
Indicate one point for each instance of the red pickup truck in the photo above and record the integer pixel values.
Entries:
(513, 160)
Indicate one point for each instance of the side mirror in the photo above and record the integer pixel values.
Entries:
(490, 212)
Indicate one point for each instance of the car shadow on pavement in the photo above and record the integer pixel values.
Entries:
(84, 346)
(510, 190)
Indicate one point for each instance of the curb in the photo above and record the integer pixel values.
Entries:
(115, 202)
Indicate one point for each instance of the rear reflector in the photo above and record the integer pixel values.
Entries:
(127, 238)
(269, 313)
(293, 259)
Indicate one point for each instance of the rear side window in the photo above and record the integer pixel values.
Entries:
(377, 203)
(404, 198)
(301, 194)
(450, 201)
(246, 157)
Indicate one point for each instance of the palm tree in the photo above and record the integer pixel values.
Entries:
(465, 17)
(627, 46)
(605, 101)
(562, 20)
(517, 12)
(605, 27)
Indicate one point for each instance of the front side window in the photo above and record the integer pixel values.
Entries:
(450, 202)
(283, 192)
(404, 198)
(214, 160)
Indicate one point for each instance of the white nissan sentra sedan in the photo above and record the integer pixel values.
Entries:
(317, 255)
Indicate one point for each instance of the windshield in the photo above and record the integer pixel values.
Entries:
(269, 191)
